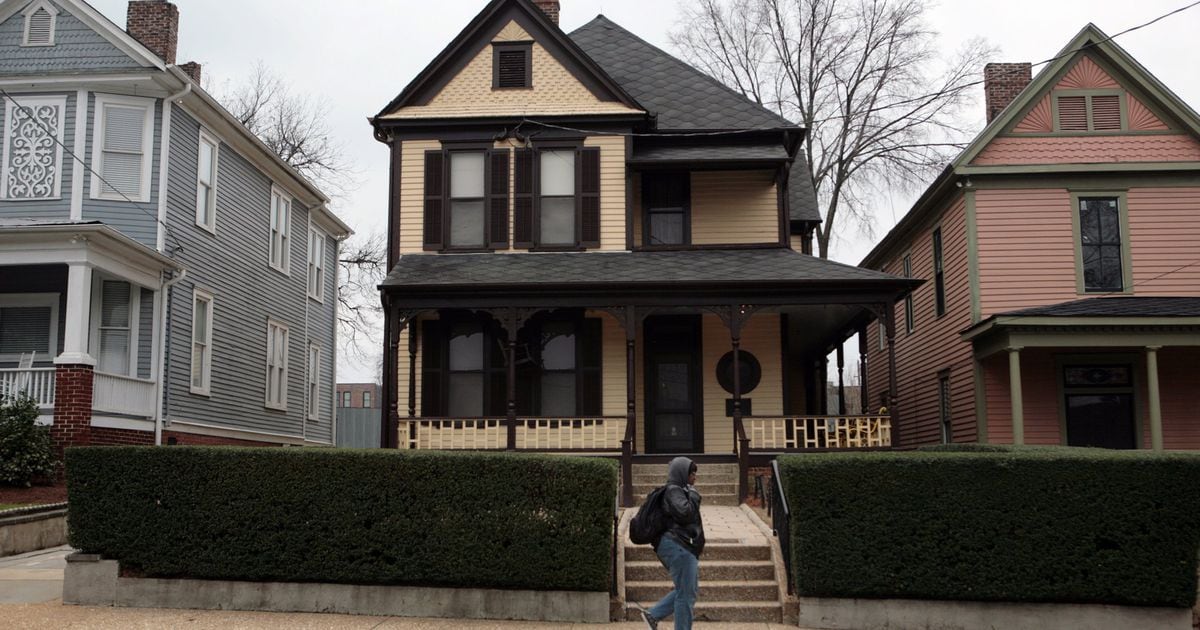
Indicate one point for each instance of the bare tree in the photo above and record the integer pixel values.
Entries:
(864, 77)
(362, 265)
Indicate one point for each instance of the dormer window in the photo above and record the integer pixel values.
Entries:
(40, 20)
(1089, 112)
(512, 65)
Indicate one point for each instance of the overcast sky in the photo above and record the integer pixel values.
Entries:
(359, 54)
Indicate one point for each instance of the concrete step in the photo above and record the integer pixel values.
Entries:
(660, 470)
(710, 590)
(654, 481)
(729, 612)
(717, 570)
(704, 488)
(645, 553)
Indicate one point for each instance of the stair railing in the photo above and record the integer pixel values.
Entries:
(781, 523)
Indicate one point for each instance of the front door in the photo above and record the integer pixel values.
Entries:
(1099, 406)
(674, 417)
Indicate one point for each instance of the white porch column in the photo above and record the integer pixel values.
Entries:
(1156, 435)
(1014, 388)
(78, 320)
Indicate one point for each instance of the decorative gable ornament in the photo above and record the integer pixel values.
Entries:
(40, 20)
(32, 151)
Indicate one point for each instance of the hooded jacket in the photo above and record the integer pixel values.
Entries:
(682, 505)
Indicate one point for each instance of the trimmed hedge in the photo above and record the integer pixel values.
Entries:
(1031, 525)
(346, 516)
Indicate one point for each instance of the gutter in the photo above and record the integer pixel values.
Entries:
(164, 296)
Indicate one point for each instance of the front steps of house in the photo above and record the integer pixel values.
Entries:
(737, 571)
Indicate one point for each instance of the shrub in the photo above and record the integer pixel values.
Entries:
(25, 451)
(1038, 525)
(347, 516)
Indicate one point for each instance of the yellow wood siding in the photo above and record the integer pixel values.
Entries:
(734, 207)
(612, 359)
(470, 93)
(761, 338)
(612, 190)
(412, 193)
(797, 242)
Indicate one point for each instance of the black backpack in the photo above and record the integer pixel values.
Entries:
(651, 520)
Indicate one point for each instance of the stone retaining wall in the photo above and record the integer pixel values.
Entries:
(31, 529)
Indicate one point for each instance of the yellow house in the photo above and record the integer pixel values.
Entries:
(596, 248)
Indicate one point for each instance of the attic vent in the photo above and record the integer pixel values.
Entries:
(1089, 112)
(1072, 113)
(1106, 112)
(512, 67)
(39, 28)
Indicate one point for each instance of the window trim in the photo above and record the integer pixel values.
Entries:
(687, 210)
(1088, 94)
(562, 145)
(27, 101)
(206, 136)
(937, 246)
(98, 131)
(367, 399)
(1133, 359)
(1122, 197)
(205, 389)
(285, 254)
(28, 13)
(524, 46)
(135, 303)
(284, 373)
(945, 407)
(909, 311)
(448, 207)
(313, 386)
(35, 300)
(316, 263)
(346, 397)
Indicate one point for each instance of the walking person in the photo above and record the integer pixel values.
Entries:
(680, 546)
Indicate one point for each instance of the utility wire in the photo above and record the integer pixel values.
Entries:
(54, 136)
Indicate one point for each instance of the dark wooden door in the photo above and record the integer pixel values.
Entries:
(1101, 420)
(674, 412)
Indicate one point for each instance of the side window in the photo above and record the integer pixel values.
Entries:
(366, 400)
(316, 265)
(281, 222)
(1100, 244)
(121, 148)
(277, 365)
(909, 324)
(939, 276)
(206, 183)
(314, 381)
(202, 323)
(666, 198)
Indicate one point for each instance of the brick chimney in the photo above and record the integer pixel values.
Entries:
(154, 23)
(1002, 82)
(192, 69)
(550, 8)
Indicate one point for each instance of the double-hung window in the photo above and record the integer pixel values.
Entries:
(939, 276)
(33, 132)
(467, 222)
(281, 221)
(314, 381)
(557, 211)
(115, 327)
(346, 399)
(909, 324)
(316, 265)
(366, 400)
(558, 369)
(206, 183)
(465, 365)
(666, 199)
(277, 365)
(1100, 250)
(202, 325)
(122, 147)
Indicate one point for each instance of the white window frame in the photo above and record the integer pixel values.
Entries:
(211, 140)
(316, 264)
(98, 131)
(135, 310)
(206, 353)
(277, 330)
(34, 101)
(281, 263)
(28, 13)
(346, 397)
(314, 381)
(35, 300)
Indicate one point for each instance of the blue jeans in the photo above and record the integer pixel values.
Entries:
(685, 573)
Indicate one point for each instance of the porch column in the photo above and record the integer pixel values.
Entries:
(77, 320)
(863, 397)
(889, 322)
(629, 442)
(1156, 436)
(510, 405)
(841, 363)
(74, 368)
(1014, 389)
(389, 426)
(412, 383)
(737, 317)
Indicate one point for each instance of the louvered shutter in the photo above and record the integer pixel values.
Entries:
(1072, 113)
(435, 199)
(1106, 113)
(523, 198)
(124, 133)
(588, 356)
(40, 25)
(512, 69)
(588, 160)
(433, 367)
(497, 200)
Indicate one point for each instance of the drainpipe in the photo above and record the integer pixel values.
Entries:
(164, 162)
(164, 295)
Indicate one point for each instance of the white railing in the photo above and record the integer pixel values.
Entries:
(123, 395)
(532, 434)
(818, 432)
(37, 382)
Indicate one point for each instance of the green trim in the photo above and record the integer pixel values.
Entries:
(1016, 395)
(1004, 338)
(1126, 257)
(981, 417)
(1055, 95)
(1134, 388)
(973, 257)
(1154, 395)
(1098, 167)
(1093, 134)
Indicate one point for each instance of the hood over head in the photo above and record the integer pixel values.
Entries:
(679, 469)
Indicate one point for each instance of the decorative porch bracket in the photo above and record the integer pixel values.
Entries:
(511, 320)
(397, 321)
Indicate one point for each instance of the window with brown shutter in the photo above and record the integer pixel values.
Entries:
(498, 198)
(589, 197)
(435, 194)
(523, 198)
(512, 65)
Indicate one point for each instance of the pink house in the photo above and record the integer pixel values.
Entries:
(1061, 253)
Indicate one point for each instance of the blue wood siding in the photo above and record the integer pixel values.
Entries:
(77, 48)
(138, 220)
(51, 208)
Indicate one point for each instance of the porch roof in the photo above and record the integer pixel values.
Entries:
(1116, 307)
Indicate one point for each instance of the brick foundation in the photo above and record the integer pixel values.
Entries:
(102, 436)
(72, 407)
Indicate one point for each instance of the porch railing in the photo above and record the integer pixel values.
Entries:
(798, 433)
(123, 394)
(37, 382)
(583, 434)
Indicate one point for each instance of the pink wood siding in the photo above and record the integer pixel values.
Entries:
(1039, 390)
(1139, 117)
(1012, 150)
(1026, 248)
(1086, 75)
(1040, 119)
(1164, 235)
(934, 345)
(1178, 383)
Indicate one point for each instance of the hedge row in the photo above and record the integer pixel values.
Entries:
(346, 516)
(1035, 525)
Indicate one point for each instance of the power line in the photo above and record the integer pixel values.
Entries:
(54, 136)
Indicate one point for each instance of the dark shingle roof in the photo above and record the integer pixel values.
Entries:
(616, 268)
(802, 199)
(1117, 307)
(681, 96)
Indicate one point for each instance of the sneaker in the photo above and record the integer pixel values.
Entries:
(651, 622)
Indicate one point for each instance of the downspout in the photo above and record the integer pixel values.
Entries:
(164, 294)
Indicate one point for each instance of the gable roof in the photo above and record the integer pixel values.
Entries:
(98, 23)
(482, 29)
(681, 96)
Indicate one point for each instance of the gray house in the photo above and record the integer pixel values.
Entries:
(164, 276)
